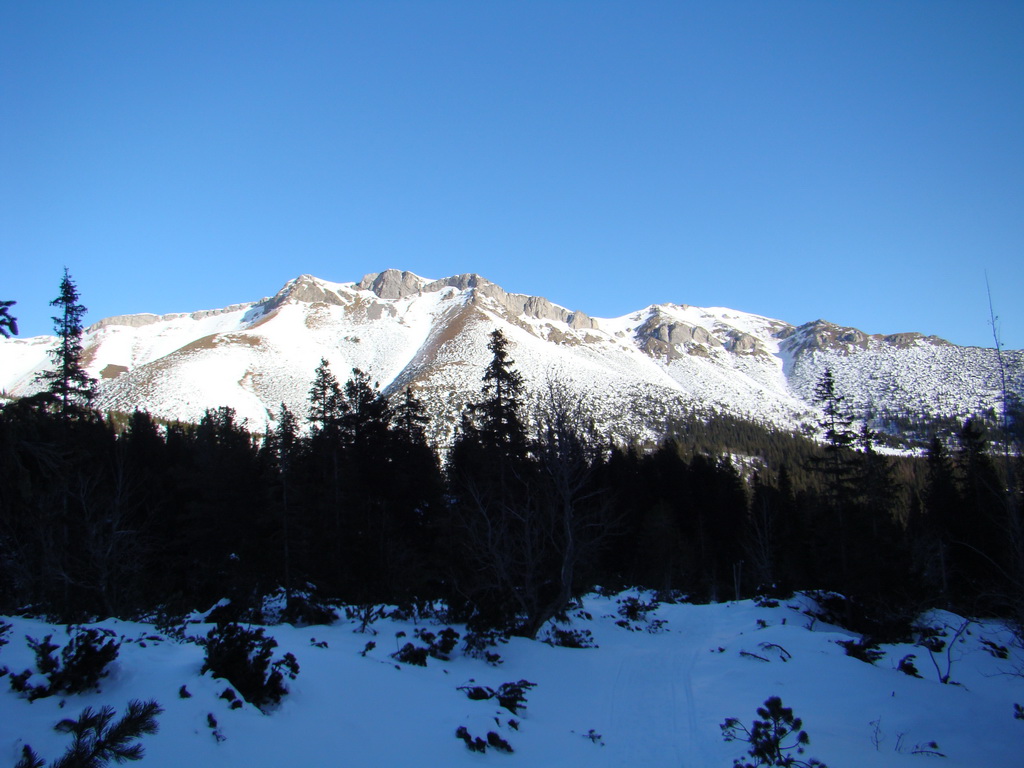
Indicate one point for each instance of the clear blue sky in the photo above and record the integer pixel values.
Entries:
(861, 162)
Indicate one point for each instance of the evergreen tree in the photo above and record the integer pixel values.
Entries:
(836, 467)
(326, 404)
(876, 541)
(416, 491)
(8, 323)
(282, 447)
(324, 465)
(839, 436)
(410, 417)
(496, 548)
(498, 413)
(981, 533)
(933, 531)
(68, 383)
(367, 416)
(366, 488)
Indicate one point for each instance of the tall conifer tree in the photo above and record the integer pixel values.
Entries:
(68, 382)
(8, 323)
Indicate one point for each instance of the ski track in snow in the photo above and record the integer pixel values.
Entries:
(650, 683)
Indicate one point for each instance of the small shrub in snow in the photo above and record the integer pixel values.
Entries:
(478, 643)
(416, 611)
(594, 737)
(994, 650)
(440, 645)
(231, 697)
(907, 666)
(412, 654)
(511, 696)
(444, 644)
(303, 609)
(243, 657)
(211, 723)
(172, 625)
(365, 616)
(496, 742)
(1018, 712)
(570, 638)
(878, 620)
(98, 740)
(633, 609)
(83, 662)
(474, 744)
(862, 649)
(775, 740)
(224, 612)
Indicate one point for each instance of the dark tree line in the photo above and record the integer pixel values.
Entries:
(348, 501)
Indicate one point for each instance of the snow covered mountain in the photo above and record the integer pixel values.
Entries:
(636, 371)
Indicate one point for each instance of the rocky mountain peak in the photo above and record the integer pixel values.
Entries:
(304, 288)
(392, 284)
(823, 335)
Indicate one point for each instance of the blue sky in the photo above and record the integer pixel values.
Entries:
(861, 162)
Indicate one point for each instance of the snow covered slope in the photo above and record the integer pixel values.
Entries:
(654, 692)
(407, 331)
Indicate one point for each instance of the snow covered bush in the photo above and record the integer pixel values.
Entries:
(83, 662)
(570, 638)
(908, 667)
(439, 645)
(301, 608)
(774, 741)
(243, 657)
(477, 644)
(864, 649)
(634, 609)
(511, 696)
(412, 654)
(97, 740)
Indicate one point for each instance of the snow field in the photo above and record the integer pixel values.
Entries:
(654, 692)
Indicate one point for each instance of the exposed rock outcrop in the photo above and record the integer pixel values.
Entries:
(392, 284)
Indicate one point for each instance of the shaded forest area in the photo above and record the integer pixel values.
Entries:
(120, 515)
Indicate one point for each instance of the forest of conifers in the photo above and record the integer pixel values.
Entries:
(122, 515)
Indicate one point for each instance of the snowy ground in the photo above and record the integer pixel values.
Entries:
(654, 693)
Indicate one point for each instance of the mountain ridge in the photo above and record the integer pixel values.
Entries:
(404, 330)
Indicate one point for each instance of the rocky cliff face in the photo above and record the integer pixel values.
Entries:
(406, 331)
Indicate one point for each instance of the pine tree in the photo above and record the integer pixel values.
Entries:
(282, 446)
(499, 412)
(8, 323)
(835, 466)
(98, 739)
(326, 404)
(933, 534)
(490, 473)
(410, 417)
(839, 436)
(367, 415)
(68, 383)
(982, 538)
